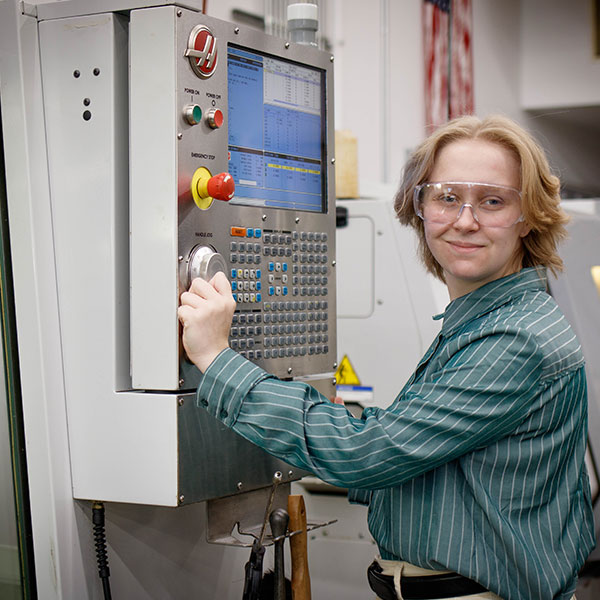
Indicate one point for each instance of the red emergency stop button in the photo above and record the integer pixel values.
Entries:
(221, 186)
(205, 187)
(215, 118)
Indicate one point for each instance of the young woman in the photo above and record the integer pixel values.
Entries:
(474, 475)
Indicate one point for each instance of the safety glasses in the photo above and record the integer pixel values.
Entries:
(491, 205)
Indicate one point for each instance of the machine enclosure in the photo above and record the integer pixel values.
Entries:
(120, 162)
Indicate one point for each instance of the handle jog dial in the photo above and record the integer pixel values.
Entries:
(206, 187)
(204, 262)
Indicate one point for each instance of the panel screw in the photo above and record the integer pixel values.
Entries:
(179, 13)
(264, 217)
(335, 365)
(181, 499)
(333, 161)
(180, 136)
(290, 473)
(289, 370)
(180, 258)
(180, 401)
(240, 485)
(333, 263)
(334, 381)
(297, 219)
(331, 59)
(181, 382)
(287, 45)
(236, 30)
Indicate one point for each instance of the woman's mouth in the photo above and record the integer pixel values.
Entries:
(464, 247)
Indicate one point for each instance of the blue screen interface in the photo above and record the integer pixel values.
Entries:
(276, 132)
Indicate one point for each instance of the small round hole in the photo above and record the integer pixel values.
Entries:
(96, 71)
(86, 101)
(87, 115)
(76, 73)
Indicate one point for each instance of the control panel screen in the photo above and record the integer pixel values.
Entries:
(276, 132)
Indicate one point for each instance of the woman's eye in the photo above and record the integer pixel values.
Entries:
(447, 199)
(491, 203)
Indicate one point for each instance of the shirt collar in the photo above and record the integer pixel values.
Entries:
(490, 296)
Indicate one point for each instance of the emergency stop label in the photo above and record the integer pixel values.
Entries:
(202, 155)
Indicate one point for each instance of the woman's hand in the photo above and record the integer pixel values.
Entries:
(206, 312)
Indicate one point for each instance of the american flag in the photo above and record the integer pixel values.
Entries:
(448, 61)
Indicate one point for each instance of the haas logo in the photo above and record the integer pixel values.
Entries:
(202, 51)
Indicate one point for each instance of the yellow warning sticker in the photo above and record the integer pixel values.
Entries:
(345, 374)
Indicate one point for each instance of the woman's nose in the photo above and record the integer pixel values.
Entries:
(466, 219)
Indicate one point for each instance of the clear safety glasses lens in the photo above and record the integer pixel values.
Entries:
(491, 205)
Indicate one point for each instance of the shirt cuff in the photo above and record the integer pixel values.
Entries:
(226, 383)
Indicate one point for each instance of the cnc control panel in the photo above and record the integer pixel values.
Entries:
(231, 153)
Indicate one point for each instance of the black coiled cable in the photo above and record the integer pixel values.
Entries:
(100, 543)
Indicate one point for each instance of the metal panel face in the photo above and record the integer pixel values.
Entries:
(215, 462)
(278, 252)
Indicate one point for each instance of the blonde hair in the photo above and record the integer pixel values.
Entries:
(540, 189)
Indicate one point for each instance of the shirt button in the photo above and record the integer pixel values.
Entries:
(224, 414)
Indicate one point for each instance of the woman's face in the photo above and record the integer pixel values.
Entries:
(469, 253)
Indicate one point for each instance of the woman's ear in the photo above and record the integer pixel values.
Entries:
(525, 229)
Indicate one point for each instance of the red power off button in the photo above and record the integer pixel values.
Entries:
(215, 118)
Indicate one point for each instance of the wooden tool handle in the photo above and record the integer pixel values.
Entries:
(299, 548)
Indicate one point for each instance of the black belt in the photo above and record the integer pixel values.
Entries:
(427, 587)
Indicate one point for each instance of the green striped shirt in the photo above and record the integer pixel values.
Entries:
(478, 464)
